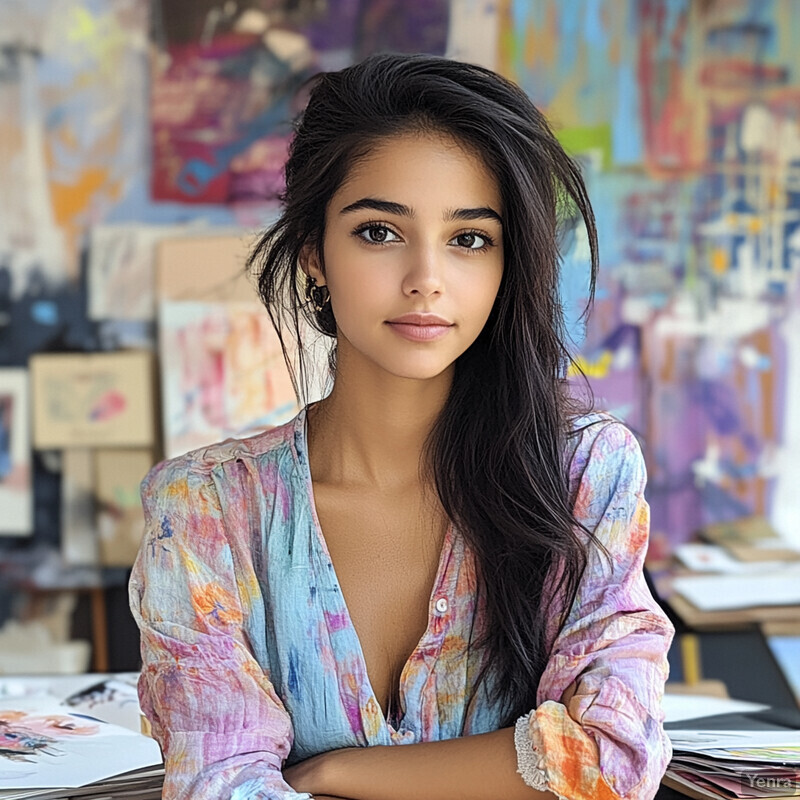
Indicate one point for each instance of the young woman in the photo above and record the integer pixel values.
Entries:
(444, 553)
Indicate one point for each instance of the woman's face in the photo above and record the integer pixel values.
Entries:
(416, 227)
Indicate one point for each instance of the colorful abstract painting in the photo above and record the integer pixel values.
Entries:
(228, 77)
(222, 373)
(72, 98)
(684, 115)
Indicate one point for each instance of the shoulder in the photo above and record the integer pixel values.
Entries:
(604, 456)
(190, 471)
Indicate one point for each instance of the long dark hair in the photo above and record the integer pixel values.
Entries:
(496, 453)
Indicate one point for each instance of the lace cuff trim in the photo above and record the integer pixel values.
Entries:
(530, 754)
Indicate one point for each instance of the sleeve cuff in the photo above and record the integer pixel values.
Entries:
(530, 753)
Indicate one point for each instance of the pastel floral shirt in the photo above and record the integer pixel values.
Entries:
(251, 661)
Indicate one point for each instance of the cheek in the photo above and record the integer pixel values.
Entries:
(361, 296)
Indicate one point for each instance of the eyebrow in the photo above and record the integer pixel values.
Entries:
(388, 207)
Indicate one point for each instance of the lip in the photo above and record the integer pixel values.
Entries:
(419, 333)
(420, 318)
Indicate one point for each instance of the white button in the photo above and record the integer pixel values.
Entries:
(441, 605)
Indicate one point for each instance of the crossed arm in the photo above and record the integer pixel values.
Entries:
(478, 767)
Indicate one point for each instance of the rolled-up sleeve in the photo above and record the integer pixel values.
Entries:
(223, 730)
(609, 741)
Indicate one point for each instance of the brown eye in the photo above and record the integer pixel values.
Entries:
(375, 234)
(473, 241)
(378, 234)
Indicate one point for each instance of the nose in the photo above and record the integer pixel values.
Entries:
(424, 270)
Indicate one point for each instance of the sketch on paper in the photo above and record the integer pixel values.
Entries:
(44, 746)
(25, 736)
(16, 492)
(93, 399)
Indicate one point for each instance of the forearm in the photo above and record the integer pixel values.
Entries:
(479, 767)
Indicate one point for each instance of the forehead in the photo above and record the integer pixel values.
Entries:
(422, 169)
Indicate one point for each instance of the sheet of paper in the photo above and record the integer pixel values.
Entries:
(696, 741)
(713, 558)
(720, 592)
(52, 749)
(691, 706)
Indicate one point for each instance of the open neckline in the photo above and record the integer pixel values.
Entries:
(302, 429)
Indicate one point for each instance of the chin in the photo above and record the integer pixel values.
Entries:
(418, 371)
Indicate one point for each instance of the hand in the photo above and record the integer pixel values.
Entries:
(306, 776)
(317, 775)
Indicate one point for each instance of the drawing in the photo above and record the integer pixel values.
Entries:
(45, 746)
(24, 736)
(93, 399)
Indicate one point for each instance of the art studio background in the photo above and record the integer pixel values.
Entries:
(141, 146)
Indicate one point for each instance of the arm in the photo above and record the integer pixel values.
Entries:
(222, 728)
(608, 740)
(478, 767)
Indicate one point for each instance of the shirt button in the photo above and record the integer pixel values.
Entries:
(441, 605)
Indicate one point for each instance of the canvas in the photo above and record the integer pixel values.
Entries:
(93, 399)
(227, 86)
(683, 117)
(222, 373)
(205, 267)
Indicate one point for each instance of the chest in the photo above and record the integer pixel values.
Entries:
(385, 552)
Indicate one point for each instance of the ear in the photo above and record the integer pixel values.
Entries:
(309, 262)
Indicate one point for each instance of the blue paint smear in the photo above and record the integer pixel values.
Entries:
(593, 30)
(626, 139)
(44, 312)
(294, 684)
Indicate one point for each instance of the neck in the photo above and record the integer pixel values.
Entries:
(372, 437)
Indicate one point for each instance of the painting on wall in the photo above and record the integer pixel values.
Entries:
(684, 118)
(73, 102)
(93, 399)
(16, 494)
(222, 373)
(229, 77)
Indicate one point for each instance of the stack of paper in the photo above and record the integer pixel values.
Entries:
(754, 755)
(47, 752)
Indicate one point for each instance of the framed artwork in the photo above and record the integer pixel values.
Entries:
(93, 399)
